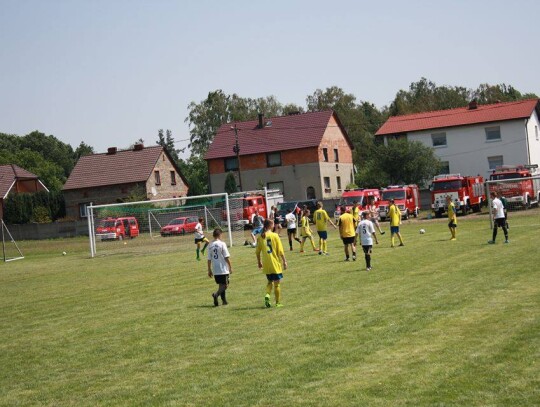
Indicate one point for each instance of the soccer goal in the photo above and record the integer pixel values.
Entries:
(521, 196)
(10, 249)
(159, 226)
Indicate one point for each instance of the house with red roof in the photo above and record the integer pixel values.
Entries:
(110, 178)
(15, 180)
(475, 139)
(306, 156)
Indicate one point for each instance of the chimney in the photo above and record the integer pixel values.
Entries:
(473, 104)
(138, 147)
(111, 150)
(261, 121)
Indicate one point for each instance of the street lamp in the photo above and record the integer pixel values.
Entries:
(236, 150)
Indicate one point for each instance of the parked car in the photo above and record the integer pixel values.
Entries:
(180, 226)
(118, 228)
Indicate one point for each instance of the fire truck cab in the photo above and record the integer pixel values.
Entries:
(360, 195)
(406, 197)
(467, 192)
(524, 192)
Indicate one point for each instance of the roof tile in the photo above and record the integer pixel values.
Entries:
(126, 166)
(284, 133)
(461, 116)
(8, 174)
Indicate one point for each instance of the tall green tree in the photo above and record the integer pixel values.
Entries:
(167, 141)
(82, 150)
(230, 183)
(399, 162)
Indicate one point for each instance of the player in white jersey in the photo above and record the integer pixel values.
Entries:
(219, 266)
(366, 231)
(499, 220)
(199, 238)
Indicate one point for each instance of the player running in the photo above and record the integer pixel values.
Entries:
(269, 252)
(219, 266)
(321, 218)
(395, 220)
(305, 232)
(347, 228)
(452, 217)
(366, 231)
(199, 237)
(290, 218)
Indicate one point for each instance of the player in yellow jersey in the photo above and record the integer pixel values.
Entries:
(321, 218)
(395, 220)
(355, 212)
(271, 259)
(452, 217)
(347, 231)
(305, 231)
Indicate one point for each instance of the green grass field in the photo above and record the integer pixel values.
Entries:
(434, 323)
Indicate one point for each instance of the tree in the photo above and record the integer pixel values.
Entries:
(230, 183)
(424, 96)
(195, 171)
(82, 150)
(167, 142)
(399, 162)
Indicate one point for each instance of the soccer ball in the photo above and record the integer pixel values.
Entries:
(64, 253)
(422, 231)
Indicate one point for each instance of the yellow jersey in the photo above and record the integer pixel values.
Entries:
(395, 215)
(452, 214)
(321, 218)
(271, 251)
(304, 224)
(346, 225)
(355, 213)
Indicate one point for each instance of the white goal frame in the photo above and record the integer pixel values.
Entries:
(91, 207)
(3, 226)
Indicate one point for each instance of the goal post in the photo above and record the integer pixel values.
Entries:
(10, 249)
(521, 194)
(133, 227)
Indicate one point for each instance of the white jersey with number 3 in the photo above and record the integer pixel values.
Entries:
(218, 252)
(365, 229)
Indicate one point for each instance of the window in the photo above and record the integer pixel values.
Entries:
(536, 132)
(444, 167)
(273, 159)
(493, 133)
(336, 155)
(173, 178)
(275, 185)
(231, 164)
(82, 210)
(338, 181)
(327, 188)
(438, 139)
(157, 178)
(325, 154)
(495, 161)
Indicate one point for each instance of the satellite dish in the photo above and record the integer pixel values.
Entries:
(154, 192)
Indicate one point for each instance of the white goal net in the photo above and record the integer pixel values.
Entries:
(168, 225)
(521, 197)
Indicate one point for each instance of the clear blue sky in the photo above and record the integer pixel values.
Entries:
(109, 72)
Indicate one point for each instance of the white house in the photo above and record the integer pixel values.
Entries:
(475, 139)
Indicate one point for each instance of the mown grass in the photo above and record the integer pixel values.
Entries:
(434, 323)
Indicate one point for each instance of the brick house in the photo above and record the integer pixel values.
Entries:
(474, 139)
(110, 178)
(14, 180)
(306, 155)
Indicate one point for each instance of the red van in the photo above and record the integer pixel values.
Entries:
(118, 228)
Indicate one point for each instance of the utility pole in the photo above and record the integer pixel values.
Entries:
(236, 150)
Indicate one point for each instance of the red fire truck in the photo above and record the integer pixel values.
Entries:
(524, 192)
(467, 193)
(360, 195)
(406, 197)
